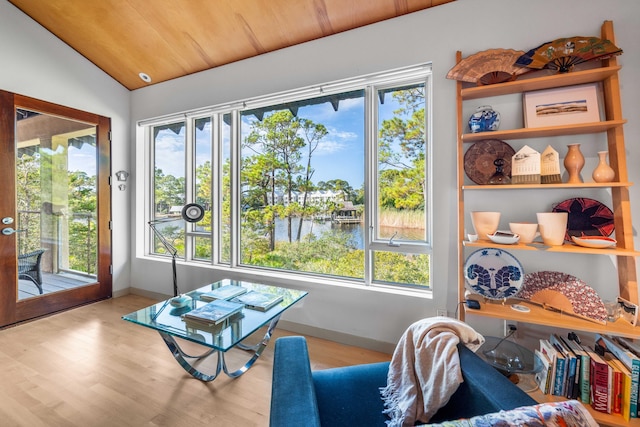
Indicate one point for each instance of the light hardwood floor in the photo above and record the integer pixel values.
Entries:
(88, 367)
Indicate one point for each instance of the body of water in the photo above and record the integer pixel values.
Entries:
(355, 230)
(319, 227)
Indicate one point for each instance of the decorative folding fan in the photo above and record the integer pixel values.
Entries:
(488, 67)
(562, 54)
(565, 293)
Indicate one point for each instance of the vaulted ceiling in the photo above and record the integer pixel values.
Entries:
(167, 39)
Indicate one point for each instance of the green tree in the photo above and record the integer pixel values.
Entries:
(82, 227)
(312, 134)
(259, 179)
(402, 150)
(339, 186)
(169, 191)
(29, 201)
(203, 193)
(277, 136)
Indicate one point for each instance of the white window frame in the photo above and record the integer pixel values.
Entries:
(370, 84)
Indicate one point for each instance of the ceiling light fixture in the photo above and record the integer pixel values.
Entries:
(145, 77)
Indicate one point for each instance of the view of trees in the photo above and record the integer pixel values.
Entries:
(76, 221)
(279, 160)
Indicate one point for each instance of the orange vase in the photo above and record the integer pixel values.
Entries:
(573, 163)
(603, 172)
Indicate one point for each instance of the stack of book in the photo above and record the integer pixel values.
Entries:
(212, 314)
(606, 376)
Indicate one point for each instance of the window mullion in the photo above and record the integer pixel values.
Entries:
(151, 195)
(190, 185)
(236, 187)
(370, 172)
(216, 183)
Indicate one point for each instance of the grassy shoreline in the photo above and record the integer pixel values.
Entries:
(402, 218)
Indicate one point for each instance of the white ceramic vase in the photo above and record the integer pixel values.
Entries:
(603, 172)
(553, 227)
(485, 223)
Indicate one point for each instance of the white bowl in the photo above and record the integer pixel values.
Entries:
(526, 230)
(504, 237)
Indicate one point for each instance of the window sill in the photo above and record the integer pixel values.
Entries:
(295, 280)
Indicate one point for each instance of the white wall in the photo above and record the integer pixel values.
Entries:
(37, 64)
(432, 35)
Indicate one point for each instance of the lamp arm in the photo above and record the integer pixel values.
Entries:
(171, 249)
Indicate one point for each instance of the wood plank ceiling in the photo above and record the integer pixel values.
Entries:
(167, 39)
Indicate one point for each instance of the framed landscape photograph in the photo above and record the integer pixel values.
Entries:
(562, 106)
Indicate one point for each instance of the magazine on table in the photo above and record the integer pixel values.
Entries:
(213, 312)
(261, 301)
(223, 292)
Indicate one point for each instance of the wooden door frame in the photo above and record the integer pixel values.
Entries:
(12, 310)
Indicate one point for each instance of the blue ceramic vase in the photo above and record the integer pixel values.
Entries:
(485, 119)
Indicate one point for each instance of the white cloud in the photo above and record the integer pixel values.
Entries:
(329, 147)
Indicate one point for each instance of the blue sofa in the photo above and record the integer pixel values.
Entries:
(349, 396)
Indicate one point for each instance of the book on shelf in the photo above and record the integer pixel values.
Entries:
(628, 359)
(577, 364)
(629, 344)
(583, 375)
(615, 384)
(223, 292)
(560, 384)
(626, 387)
(543, 375)
(213, 312)
(261, 301)
(570, 365)
(548, 350)
(600, 373)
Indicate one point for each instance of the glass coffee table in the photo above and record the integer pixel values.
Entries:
(167, 320)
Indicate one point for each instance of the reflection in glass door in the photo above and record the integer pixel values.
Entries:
(56, 195)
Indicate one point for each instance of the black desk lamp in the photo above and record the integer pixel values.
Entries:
(191, 212)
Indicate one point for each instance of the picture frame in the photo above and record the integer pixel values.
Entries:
(562, 106)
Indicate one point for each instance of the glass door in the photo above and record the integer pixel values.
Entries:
(53, 228)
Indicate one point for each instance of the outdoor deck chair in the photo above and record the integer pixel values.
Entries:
(29, 267)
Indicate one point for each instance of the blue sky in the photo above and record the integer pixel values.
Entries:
(340, 155)
(83, 159)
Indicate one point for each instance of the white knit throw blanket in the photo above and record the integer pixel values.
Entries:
(425, 369)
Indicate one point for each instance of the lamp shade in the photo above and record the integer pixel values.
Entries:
(192, 212)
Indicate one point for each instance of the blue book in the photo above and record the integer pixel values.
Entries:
(583, 376)
(628, 359)
(570, 364)
(560, 383)
(573, 390)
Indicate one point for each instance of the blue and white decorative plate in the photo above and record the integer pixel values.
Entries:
(493, 273)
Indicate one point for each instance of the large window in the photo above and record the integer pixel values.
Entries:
(330, 181)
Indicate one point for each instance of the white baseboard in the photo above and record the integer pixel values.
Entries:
(338, 337)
